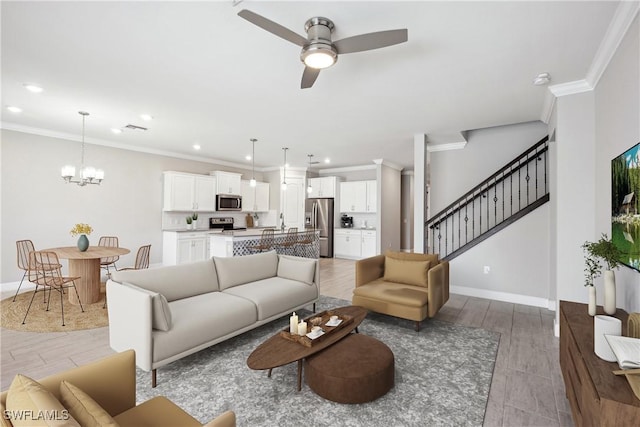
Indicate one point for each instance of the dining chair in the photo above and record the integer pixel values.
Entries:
(289, 241)
(306, 240)
(110, 242)
(41, 274)
(142, 259)
(266, 241)
(142, 262)
(24, 247)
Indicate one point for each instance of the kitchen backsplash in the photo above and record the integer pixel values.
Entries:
(177, 220)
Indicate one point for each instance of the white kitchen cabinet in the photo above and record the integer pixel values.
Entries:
(358, 196)
(372, 196)
(368, 247)
(184, 247)
(347, 243)
(353, 196)
(325, 186)
(228, 182)
(255, 199)
(354, 244)
(189, 192)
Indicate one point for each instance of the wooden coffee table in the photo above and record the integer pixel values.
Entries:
(278, 351)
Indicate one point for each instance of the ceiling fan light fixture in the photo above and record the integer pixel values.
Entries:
(319, 55)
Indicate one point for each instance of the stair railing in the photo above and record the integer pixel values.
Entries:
(510, 193)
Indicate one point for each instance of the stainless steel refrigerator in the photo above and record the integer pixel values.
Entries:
(319, 215)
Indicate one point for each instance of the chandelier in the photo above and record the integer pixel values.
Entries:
(88, 174)
(284, 174)
(252, 181)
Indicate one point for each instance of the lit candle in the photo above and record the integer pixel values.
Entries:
(302, 328)
(293, 324)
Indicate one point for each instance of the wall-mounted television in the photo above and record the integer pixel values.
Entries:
(625, 206)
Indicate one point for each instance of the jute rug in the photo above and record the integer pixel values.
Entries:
(442, 378)
(40, 320)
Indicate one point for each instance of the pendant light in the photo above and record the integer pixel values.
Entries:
(252, 182)
(88, 174)
(309, 188)
(284, 175)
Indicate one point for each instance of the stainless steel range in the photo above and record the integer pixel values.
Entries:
(224, 223)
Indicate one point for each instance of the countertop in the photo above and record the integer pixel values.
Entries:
(357, 228)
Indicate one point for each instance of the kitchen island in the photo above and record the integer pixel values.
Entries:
(239, 242)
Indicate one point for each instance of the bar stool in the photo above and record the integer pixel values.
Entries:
(290, 241)
(266, 241)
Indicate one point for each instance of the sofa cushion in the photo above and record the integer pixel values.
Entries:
(30, 397)
(405, 271)
(174, 282)
(396, 293)
(297, 268)
(160, 311)
(412, 256)
(83, 408)
(200, 319)
(157, 411)
(275, 295)
(234, 271)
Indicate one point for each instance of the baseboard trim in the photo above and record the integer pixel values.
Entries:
(503, 296)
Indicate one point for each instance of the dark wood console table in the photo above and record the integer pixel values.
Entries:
(597, 397)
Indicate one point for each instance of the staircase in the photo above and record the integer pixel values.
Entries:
(506, 196)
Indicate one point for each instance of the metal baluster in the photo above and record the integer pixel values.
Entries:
(537, 158)
(473, 217)
(511, 189)
(487, 195)
(495, 203)
(502, 181)
(519, 184)
(446, 237)
(459, 231)
(545, 168)
(480, 216)
(466, 221)
(527, 178)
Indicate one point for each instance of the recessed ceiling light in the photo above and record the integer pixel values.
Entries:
(248, 157)
(327, 160)
(146, 117)
(116, 130)
(196, 146)
(32, 88)
(14, 109)
(542, 79)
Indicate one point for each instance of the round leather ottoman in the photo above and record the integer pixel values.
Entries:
(356, 369)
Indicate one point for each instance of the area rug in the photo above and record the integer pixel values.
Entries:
(443, 374)
(40, 320)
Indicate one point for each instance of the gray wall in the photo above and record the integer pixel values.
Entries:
(453, 173)
(38, 205)
(406, 212)
(388, 208)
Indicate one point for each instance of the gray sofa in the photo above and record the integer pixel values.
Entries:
(168, 313)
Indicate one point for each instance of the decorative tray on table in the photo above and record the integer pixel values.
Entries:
(312, 321)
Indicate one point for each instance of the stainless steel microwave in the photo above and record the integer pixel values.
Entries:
(228, 202)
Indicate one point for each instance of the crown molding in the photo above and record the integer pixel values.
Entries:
(618, 27)
(547, 107)
(446, 147)
(570, 88)
(106, 143)
(387, 163)
(620, 23)
(346, 169)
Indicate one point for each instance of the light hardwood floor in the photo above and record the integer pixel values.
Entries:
(527, 387)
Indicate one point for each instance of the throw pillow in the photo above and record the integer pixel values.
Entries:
(238, 270)
(412, 256)
(29, 403)
(162, 319)
(407, 272)
(83, 408)
(297, 268)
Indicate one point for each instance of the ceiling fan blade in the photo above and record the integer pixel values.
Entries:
(309, 77)
(273, 27)
(371, 41)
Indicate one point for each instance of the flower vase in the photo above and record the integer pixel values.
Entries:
(609, 292)
(83, 243)
(592, 300)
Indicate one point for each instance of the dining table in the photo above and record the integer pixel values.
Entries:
(86, 266)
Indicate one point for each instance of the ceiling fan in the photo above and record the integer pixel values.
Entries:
(318, 51)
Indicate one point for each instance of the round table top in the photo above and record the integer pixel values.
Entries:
(72, 252)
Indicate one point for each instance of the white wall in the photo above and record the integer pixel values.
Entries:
(406, 212)
(453, 173)
(38, 205)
